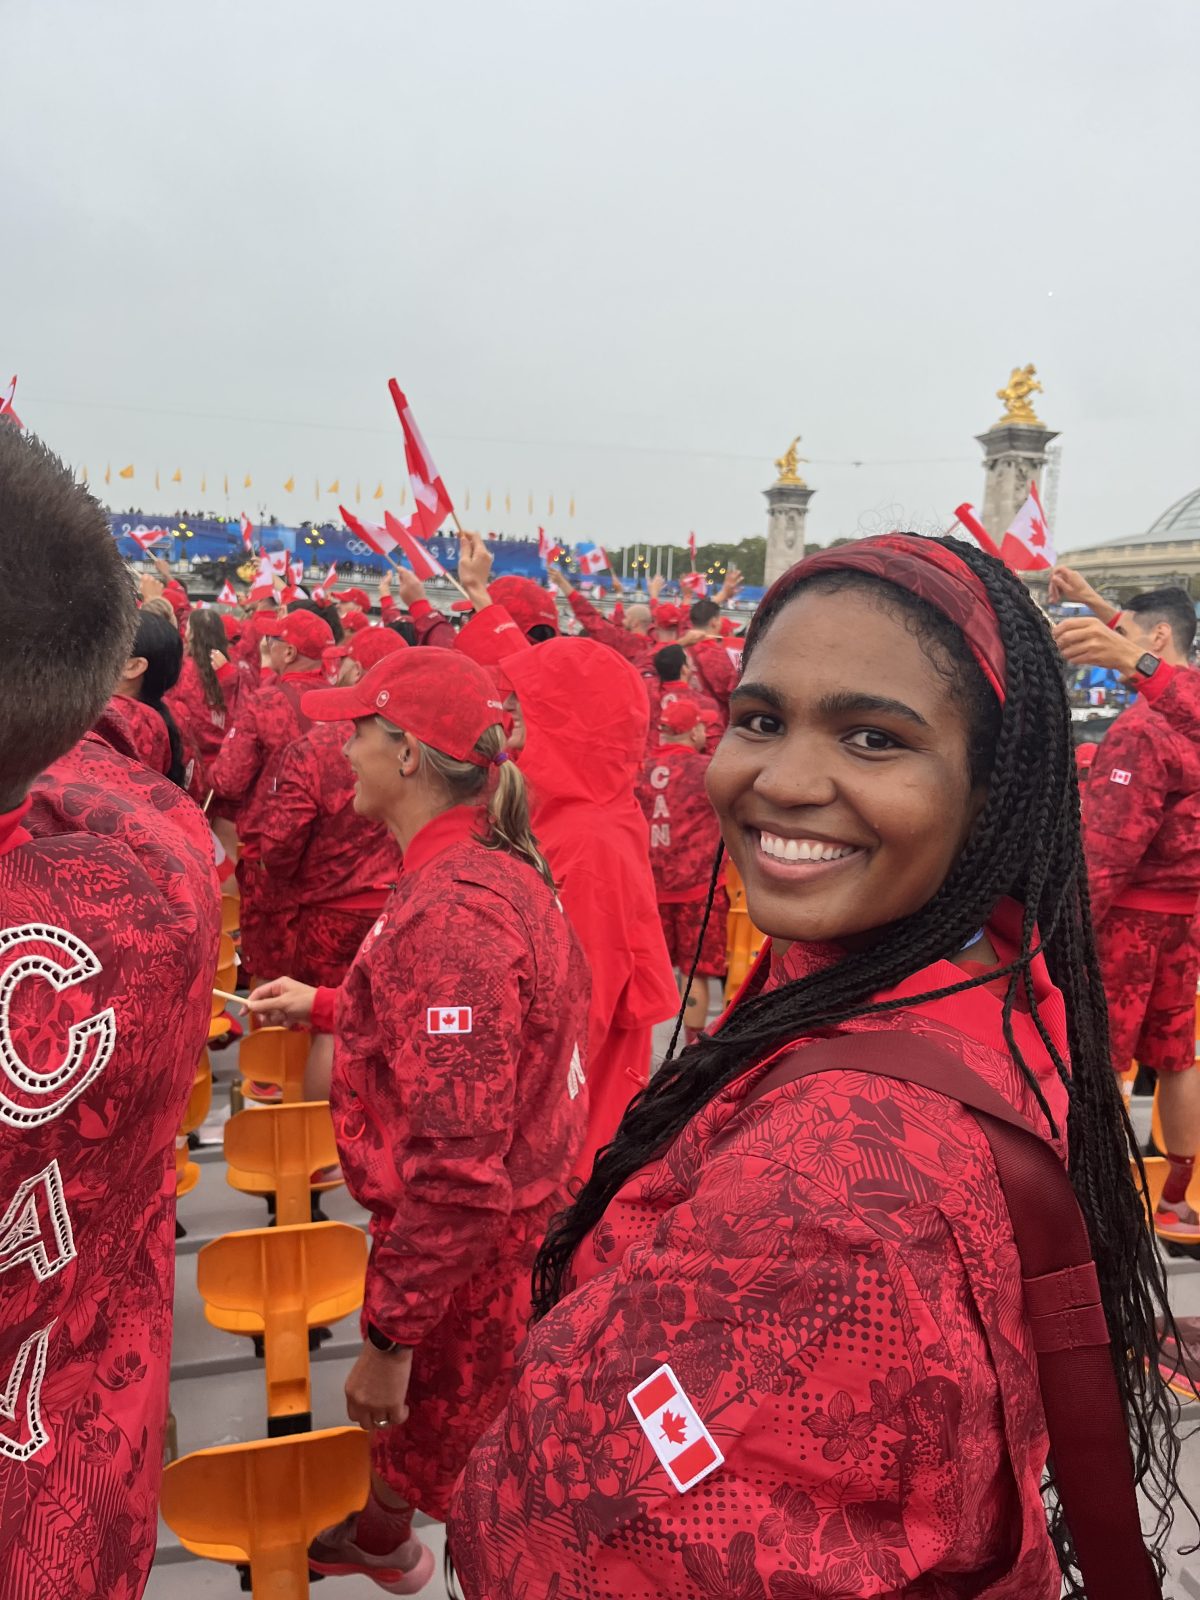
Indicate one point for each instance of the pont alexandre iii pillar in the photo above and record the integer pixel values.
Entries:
(787, 508)
(1014, 451)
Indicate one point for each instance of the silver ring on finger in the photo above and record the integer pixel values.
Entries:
(382, 1422)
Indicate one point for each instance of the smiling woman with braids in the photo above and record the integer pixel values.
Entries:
(783, 1349)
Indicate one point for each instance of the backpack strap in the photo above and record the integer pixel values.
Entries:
(1085, 1421)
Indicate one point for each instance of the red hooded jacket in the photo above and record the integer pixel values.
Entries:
(830, 1275)
(310, 835)
(1141, 817)
(585, 712)
(458, 1101)
(109, 887)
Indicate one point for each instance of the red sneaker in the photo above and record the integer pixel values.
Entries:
(405, 1570)
(271, 1092)
(1177, 1222)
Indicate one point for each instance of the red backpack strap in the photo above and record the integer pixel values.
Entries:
(1089, 1442)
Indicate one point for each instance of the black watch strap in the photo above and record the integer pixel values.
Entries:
(1147, 665)
(381, 1340)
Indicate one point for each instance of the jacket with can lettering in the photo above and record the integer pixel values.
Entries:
(830, 1275)
(662, 694)
(716, 665)
(683, 825)
(1141, 817)
(459, 1104)
(109, 911)
(310, 835)
(267, 722)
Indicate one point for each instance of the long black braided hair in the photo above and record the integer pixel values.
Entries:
(1025, 843)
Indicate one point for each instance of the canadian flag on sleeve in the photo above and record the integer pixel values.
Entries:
(672, 1424)
(1027, 545)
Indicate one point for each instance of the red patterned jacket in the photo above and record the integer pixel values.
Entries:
(430, 625)
(636, 647)
(1174, 692)
(267, 721)
(202, 726)
(683, 825)
(310, 835)
(112, 891)
(1141, 817)
(717, 665)
(662, 694)
(831, 1276)
(137, 731)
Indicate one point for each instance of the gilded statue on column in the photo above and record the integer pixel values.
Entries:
(789, 464)
(1021, 384)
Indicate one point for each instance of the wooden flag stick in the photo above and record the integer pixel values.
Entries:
(232, 999)
(208, 800)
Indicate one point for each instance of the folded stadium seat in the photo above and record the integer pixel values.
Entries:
(264, 1502)
(187, 1173)
(1156, 1176)
(744, 939)
(276, 1149)
(277, 1283)
(275, 1057)
(231, 914)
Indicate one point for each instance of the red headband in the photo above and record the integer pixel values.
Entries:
(931, 572)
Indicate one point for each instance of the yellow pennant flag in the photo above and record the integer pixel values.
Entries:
(571, 507)
(226, 484)
(334, 486)
(203, 482)
(358, 491)
(508, 502)
(531, 502)
(85, 476)
(177, 476)
(487, 504)
(126, 472)
(317, 489)
(550, 513)
(290, 485)
(467, 501)
(156, 483)
(378, 495)
(108, 473)
(247, 482)
(404, 494)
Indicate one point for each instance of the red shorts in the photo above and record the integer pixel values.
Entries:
(326, 943)
(681, 921)
(1150, 961)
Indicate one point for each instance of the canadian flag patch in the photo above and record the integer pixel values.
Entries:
(1121, 777)
(448, 1019)
(671, 1423)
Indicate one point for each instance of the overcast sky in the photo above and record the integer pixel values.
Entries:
(622, 250)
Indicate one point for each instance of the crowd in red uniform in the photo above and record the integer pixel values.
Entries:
(480, 860)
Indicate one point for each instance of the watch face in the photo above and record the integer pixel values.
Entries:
(1147, 665)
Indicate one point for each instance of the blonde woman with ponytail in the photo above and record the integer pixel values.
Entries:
(459, 1088)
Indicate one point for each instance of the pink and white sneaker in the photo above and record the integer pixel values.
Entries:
(1177, 1223)
(404, 1570)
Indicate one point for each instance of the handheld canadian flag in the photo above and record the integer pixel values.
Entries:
(692, 549)
(1027, 545)
(6, 404)
(671, 1423)
(548, 548)
(694, 583)
(966, 515)
(423, 562)
(226, 597)
(147, 536)
(263, 586)
(226, 867)
(295, 572)
(371, 534)
(322, 588)
(431, 502)
(247, 532)
(592, 559)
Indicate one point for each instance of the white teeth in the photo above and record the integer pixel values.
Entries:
(801, 849)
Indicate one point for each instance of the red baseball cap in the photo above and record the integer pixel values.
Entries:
(668, 615)
(233, 628)
(354, 621)
(309, 634)
(367, 647)
(679, 715)
(440, 697)
(527, 603)
(354, 597)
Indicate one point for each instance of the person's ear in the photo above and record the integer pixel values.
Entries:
(409, 759)
(1161, 638)
(135, 667)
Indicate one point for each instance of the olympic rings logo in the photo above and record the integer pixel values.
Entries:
(358, 548)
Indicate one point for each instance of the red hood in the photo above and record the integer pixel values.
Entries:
(586, 714)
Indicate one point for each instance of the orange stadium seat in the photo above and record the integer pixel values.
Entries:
(231, 914)
(276, 1149)
(187, 1173)
(274, 1055)
(744, 939)
(278, 1283)
(264, 1502)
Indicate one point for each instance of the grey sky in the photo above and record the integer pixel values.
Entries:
(622, 250)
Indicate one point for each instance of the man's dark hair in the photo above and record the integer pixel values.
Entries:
(326, 613)
(1172, 606)
(701, 612)
(67, 611)
(404, 628)
(669, 662)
